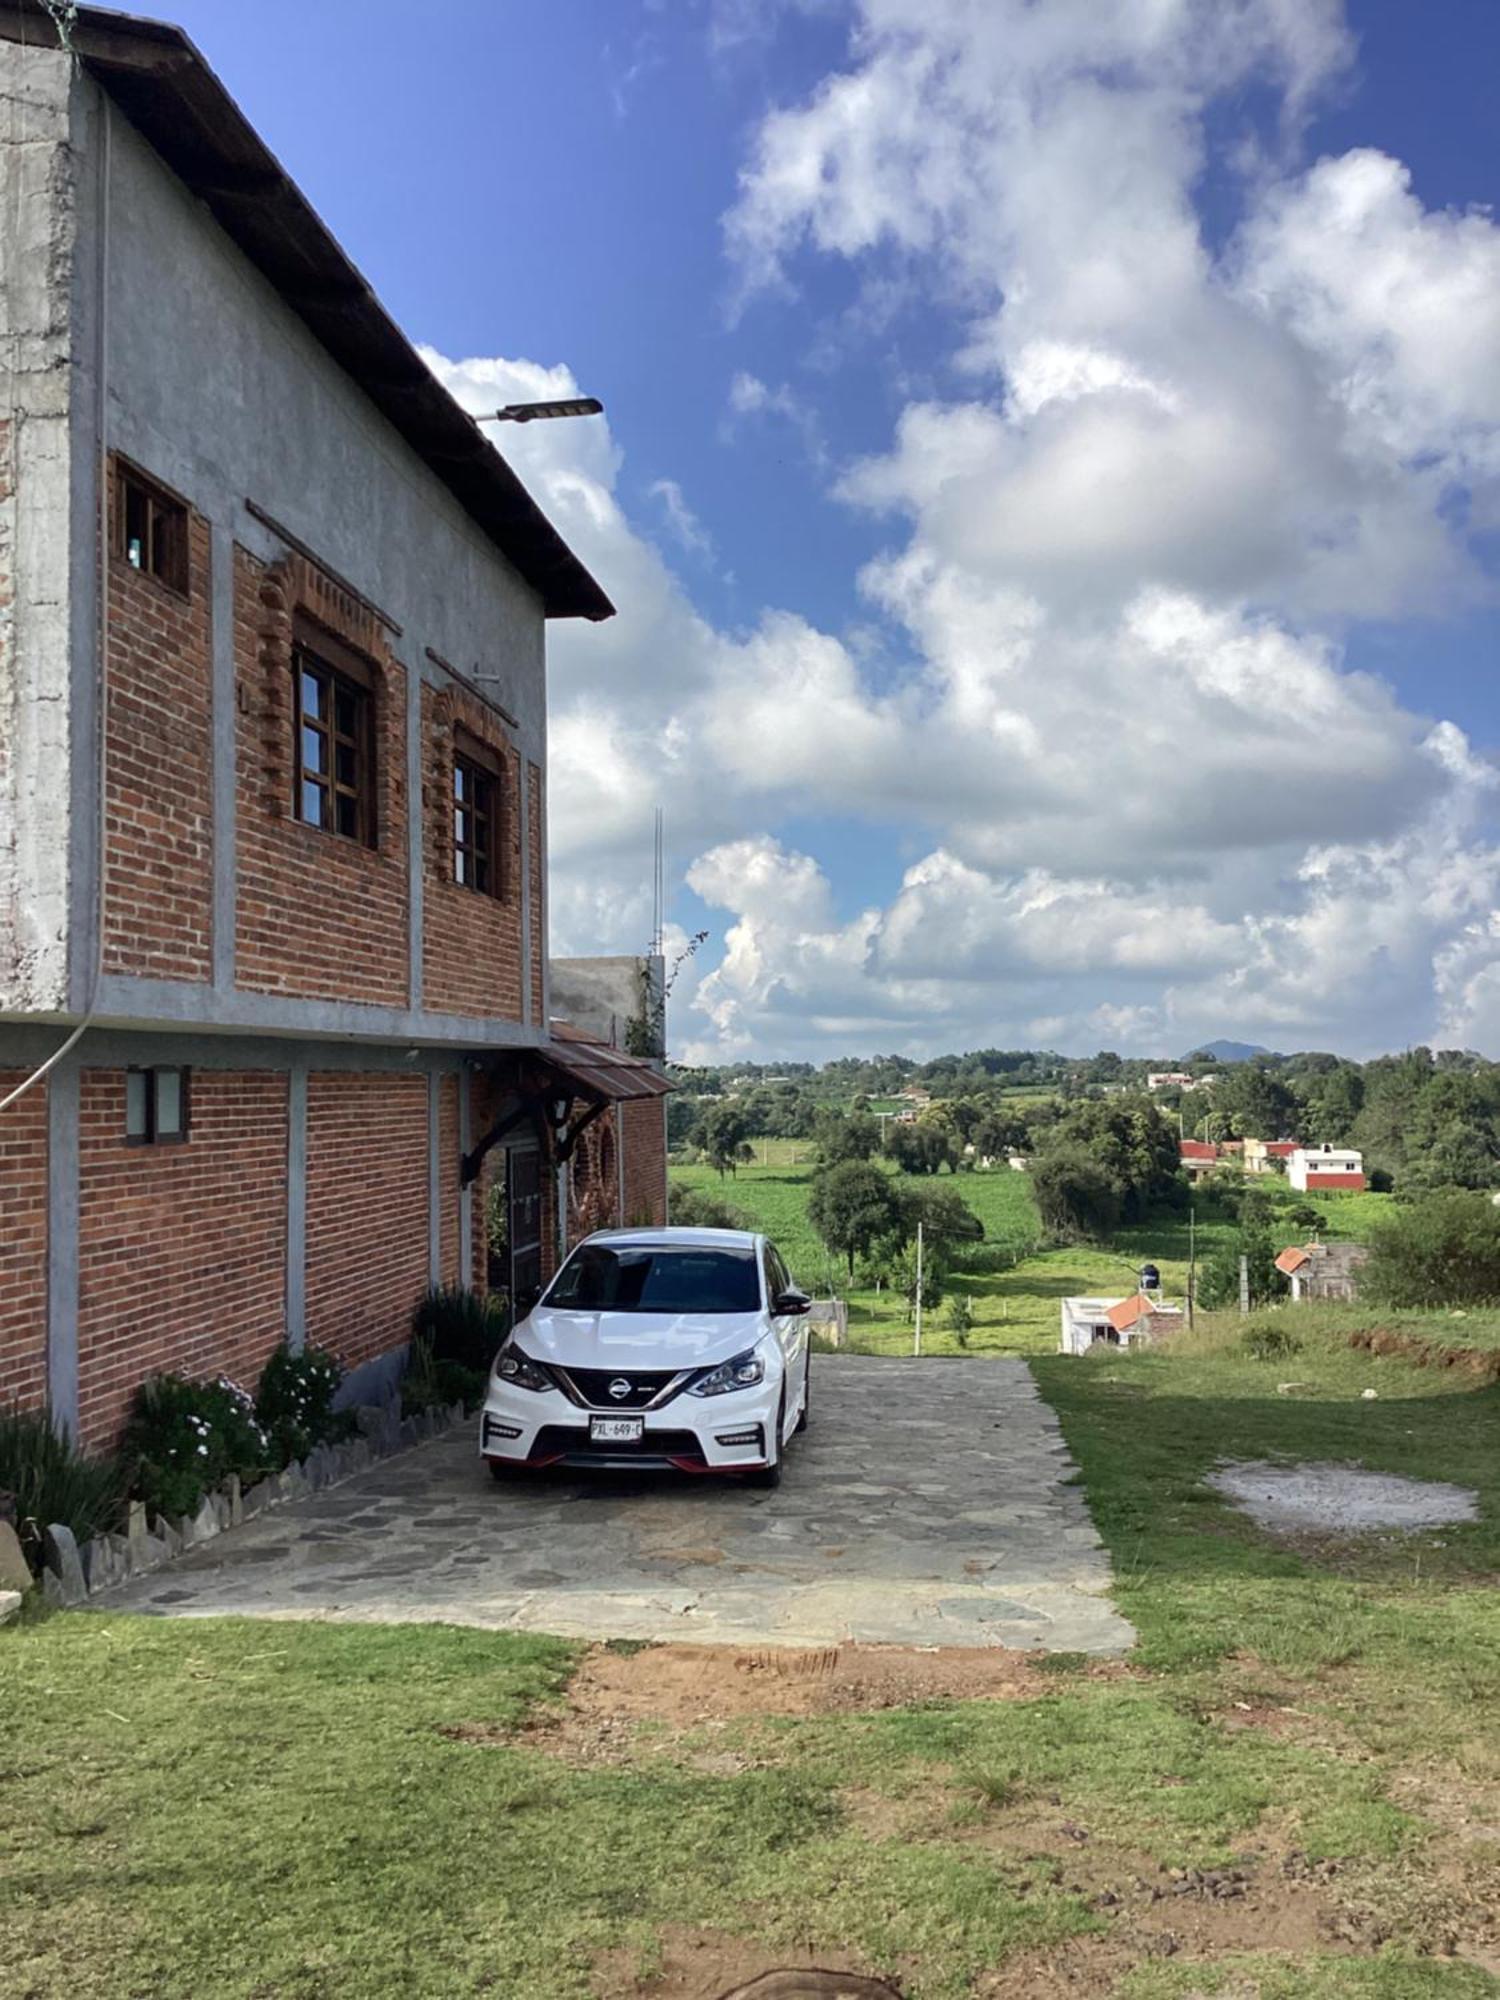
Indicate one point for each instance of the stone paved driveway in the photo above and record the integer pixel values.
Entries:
(924, 1505)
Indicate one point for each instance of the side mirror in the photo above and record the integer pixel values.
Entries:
(526, 1298)
(791, 1305)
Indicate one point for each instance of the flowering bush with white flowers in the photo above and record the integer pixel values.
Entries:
(294, 1403)
(184, 1438)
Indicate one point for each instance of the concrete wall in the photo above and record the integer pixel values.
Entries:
(213, 385)
(38, 213)
(600, 995)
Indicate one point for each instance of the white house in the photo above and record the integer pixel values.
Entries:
(1127, 1322)
(1170, 1079)
(1313, 1167)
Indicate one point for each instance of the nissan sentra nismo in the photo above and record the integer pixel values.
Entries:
(682, 1348)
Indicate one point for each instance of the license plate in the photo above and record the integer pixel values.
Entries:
(616, 1430)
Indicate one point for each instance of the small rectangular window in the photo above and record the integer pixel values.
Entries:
(334, 787)
(153, 530)
(156, 1107)
(476, 825)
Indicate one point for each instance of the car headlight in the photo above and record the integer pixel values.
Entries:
(519, 1371)
(743, 1372)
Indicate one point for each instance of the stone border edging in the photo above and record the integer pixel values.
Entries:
(72, 1574)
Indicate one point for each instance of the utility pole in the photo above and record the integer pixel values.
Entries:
(916, 1347)
(1244, 1286)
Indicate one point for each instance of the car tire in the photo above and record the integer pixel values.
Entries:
(502, 1472)
(769, 1476)
(805, 1413)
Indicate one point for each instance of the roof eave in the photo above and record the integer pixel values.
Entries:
(163, 84)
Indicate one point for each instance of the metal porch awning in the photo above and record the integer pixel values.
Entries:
(562, 1087)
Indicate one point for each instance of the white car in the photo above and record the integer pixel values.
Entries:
(654, 1348)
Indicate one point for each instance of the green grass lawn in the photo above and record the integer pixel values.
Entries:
(217, 1807)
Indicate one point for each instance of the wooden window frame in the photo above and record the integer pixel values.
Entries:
(338, 669)
(485, 769)
(165, 555)
(151, 1136)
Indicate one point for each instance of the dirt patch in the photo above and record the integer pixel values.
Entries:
(708, 1965)
(1324, 1499)
(1480, 1362)
(620, 1701)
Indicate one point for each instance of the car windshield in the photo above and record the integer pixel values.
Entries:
(598, 1278)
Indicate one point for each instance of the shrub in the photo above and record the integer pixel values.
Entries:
(460, 1325)
(698, 1208)
(51, 1480)
(1076, 1198)
(429, 1382)
(294, 1403)
(1443, 1250)
(960, 1317)
(1270, 1343)
(184, 1438)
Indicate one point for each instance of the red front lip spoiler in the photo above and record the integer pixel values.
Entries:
(677, 1464)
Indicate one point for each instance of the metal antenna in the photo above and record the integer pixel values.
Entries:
(658, 883)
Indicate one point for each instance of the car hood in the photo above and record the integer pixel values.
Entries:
(636, 1340)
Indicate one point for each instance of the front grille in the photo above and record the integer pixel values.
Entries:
(591, 1386)
(655, 1448)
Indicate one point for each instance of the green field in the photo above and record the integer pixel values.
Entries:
(1016, 1299)
(316, 1811)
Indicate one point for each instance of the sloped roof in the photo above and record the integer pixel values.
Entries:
(600, 1071)
(1291, 1261)
(1198, 1149)
(1124, 1316)
(168, 92)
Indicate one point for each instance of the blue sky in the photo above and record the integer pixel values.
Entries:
(720, 218)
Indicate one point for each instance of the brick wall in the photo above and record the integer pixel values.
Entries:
(182, 1249)
(450, 1166)
(367, 1195)
(159, 800)
(536, 834)
(318, 916)
(23, 1245)
(645, 1141)
(471, 943)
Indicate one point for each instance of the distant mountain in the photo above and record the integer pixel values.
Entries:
(1229, 1052)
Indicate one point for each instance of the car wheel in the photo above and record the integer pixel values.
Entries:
(805, 1412)
(770, 1475)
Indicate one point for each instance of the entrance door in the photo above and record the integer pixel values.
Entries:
(524, 1201)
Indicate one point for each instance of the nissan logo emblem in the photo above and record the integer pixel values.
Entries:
(619, 1388)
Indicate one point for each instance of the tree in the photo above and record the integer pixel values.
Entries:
(1219, 1282)
(851, 1206)
(1257, 1104)
(1133, 1144)
(695, 1208)
(1443, 1250)
(722, 1136)
(922, 1148)
(1076, 1197)
(904, 1278)
(946, 1218)
(854, 1136)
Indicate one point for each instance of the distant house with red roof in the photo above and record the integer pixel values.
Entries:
(1268, 1156)
(1125, 1322)
(1323, 1270)
(1197, 1157)
(1312, 1167)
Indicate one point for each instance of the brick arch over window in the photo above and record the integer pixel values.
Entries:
(594, 1181)
(318, 914)
(297, 600)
